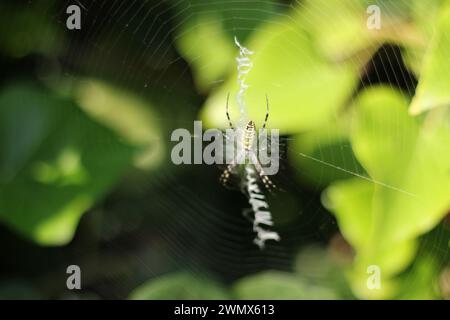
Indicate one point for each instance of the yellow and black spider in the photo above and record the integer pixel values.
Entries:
(247, 151)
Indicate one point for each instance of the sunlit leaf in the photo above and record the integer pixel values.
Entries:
(349, 29)
(433, 89)
(406, 192)
(55, 163)
(208, 49)
(339, 28)
(423, 26)
(287, 68)
(205, 32)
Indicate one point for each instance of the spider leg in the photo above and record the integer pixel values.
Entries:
(228, 171)
(267, 112)
(228, 115)
(225, 176)
(268, 184)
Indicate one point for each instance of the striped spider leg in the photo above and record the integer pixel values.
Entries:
(268, 184)
(226, 174)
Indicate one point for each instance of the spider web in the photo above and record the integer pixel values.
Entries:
(180, 218)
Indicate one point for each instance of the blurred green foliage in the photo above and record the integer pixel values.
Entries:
(407, 159)
(180, 286)
(432, 90)
(85, 122)
(25, 30)
(55, 169)
(263, 285)
(405, 199)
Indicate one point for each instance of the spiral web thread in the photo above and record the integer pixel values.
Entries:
(244, 65)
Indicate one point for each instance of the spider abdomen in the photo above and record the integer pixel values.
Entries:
(249, 135)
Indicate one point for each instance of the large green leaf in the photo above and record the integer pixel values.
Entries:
(433, 89)
(55, 163)
(290, 71)
(278, 285)
(408, 163)
(179, 286)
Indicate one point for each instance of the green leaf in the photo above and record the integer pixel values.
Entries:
(420, 283)
(433, 89)
(351, 200)
(206, 31)
(409, 155)
(340, 29)
(288, 69)
(422, 30)
(55, 163)
(179, 286)
(207, 48)
(324, 154)
(129, 116)
(325, 267)
(278, 285)
(406, 194)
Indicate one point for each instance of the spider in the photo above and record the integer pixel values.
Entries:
(247, 141)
